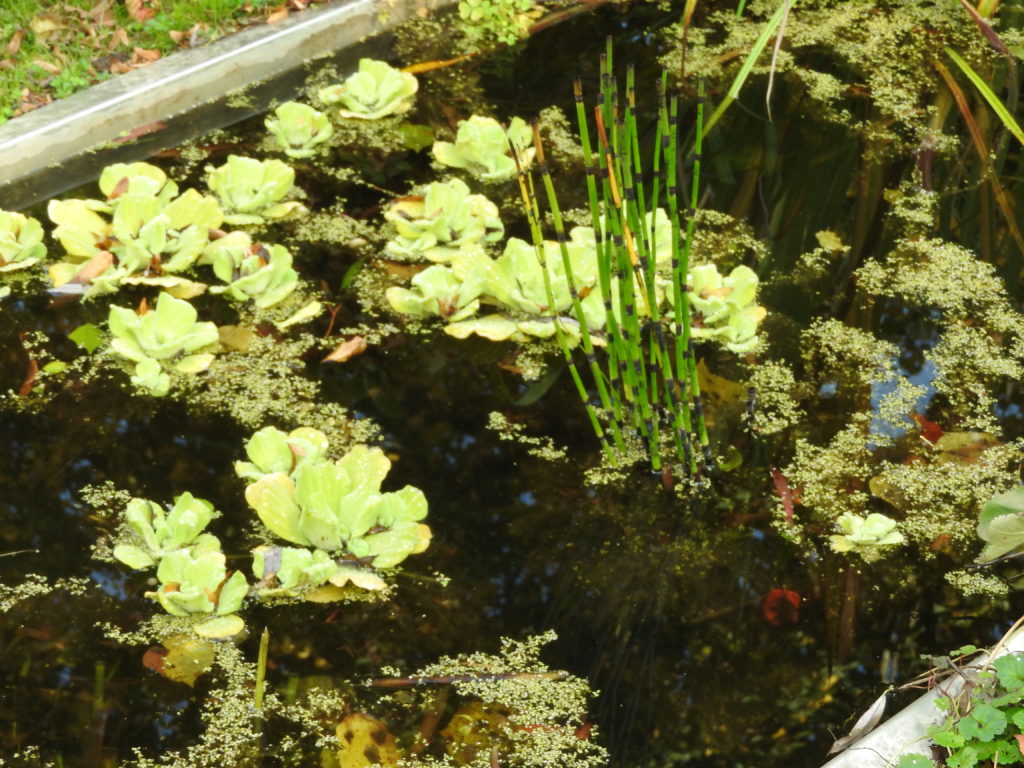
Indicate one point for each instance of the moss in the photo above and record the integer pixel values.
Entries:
(973, 583)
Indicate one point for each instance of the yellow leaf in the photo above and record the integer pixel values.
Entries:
(365, 741)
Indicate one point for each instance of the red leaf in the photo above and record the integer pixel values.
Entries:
(30, 378)
(930, 431)
(781, 606)
(154, 659)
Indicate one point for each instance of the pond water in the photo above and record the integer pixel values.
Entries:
(713, 634)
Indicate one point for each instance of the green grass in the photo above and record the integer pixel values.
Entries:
(56, 49)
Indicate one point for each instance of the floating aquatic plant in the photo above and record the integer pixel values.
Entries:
(482, 147)
(197, 582)
(437, 291)
(253, 191)
(503, 21)
(725, 307)
(21, 241)
(167, 337)
(336, 507)
(299, 128)
(376, 90)
(251, 270)
(160, 533)
(270, 450)
(435, 223)
(866, 536)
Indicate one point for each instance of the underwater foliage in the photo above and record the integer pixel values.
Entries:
(377, 90)
(169, 335)
(299, 128)
(253, 191)
(482, 147)
(436, 220)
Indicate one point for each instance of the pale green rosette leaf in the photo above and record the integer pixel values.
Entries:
(482, 148)
(265, 276)
(196, 584)
(437, 291)
(169, 330)
(866, 536)
(271, 450)
(232, 593)
(287, 571)
(134, 557)
(435, 224)
(21, 241)
(320, 487)
(375, 91)
(80, 229)
(726, 306)
(392, 546)
(273, 499)
(406, 505)
(163, 532)
(252, 191)
(122, 179)
(150, 377)
(299, 128)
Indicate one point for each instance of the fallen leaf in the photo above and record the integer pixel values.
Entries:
(235, 337)
(44, 25)
(865, 723)
(15, 44)
(784, 492)
(120, 37)
(97, 265)
(102, 14)
(182, 659)
(49, 66)
(30, 378)
(277, 15)
(142, 130)
(1020, 741)
(930, 431)
(365, 741)
(346, 350)
(141, 10)
(145, 55)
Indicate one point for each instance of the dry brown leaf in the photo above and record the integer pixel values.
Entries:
(277, 15)
(30, 378)
(97, 265)
(120, 37)
(141, 10)
(6, 64)
(145, 55)
(347, 350)
(45, 24)
(49, 66)
(15, 44)
(102, 14)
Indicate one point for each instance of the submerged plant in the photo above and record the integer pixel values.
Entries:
(437, 222)
(299, 128)
(376, 90)
(168, 336)
(253, 191)
(335, 507)
(482, 147)
(21, 241)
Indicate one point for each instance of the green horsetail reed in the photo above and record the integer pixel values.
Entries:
(645, 382)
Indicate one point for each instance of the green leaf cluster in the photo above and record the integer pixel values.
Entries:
(1001, 524)
(190, 566)
(377, 90)
(482, 147)
(299, 128)
(251, 270)
(866, 536)
(253, 191)
(21, 241)
(334, 508)
(167, 338)
(435, 221)
(491, 21)
(983, 723)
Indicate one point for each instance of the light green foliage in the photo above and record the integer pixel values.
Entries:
(726, 306)
(190, 565)
(980, 727)
(168, 336)
(21, 241)
(435, 221)
(437, 291)
(196, 582)
(299, 128)
(482, 148)
(158, 533)
(335, 507)
(255, 271)
(486, 22)
(866, 536)
(375, 91)
(150, 226)
(1001, 524)
(253, 191)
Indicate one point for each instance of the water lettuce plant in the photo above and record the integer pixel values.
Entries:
(866, 536)
(253, 191)
(335, 507)
(299, 128)
(1001, 524)
(435, 221)
(21, 241)
(191, 569)
(377, 90)
(251, 270)
(168, 337)
(724, 307)
(482, 147)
